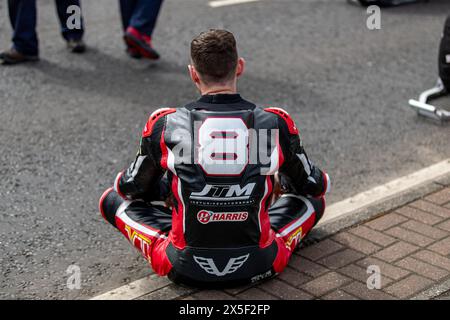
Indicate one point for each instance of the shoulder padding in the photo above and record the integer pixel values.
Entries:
(154, 117)
(286, 117)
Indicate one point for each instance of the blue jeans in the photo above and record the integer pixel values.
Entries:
(22, 14)
(140, 14)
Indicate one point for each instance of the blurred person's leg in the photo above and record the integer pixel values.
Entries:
(22, 14)
(145, 16)
(126, 12)
(141, 25)
(72, 35)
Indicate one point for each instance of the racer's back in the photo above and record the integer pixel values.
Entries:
(221, 185)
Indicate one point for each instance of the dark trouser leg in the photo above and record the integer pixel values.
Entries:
(292, 217)
(144, 225)
(22, 14)
(145, 15)
(64, 16)
(126, 11)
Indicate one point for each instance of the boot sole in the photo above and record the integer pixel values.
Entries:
(6, 61)
(77, 49)
(145, 50)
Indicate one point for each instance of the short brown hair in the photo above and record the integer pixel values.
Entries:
(214, 54)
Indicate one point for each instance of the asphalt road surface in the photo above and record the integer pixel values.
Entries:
(70, 123)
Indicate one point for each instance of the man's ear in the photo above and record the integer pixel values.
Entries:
(240, 67)
(194, 75)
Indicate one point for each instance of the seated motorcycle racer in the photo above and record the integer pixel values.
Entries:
(217, 159)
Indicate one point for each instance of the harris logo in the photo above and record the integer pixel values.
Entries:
(205, 216)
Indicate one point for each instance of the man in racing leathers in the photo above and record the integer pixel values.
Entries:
(217, 159)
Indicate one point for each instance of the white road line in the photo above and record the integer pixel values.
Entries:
(135, 289)
(334, 212)
(384, 192)
(223, 3)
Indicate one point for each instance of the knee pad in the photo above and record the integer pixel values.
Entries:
(109, 204)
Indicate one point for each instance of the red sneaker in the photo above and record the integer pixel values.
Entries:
(141, 42)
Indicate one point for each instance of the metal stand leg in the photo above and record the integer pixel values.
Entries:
(423, 107)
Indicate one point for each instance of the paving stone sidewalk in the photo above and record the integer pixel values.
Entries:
(410, 245)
